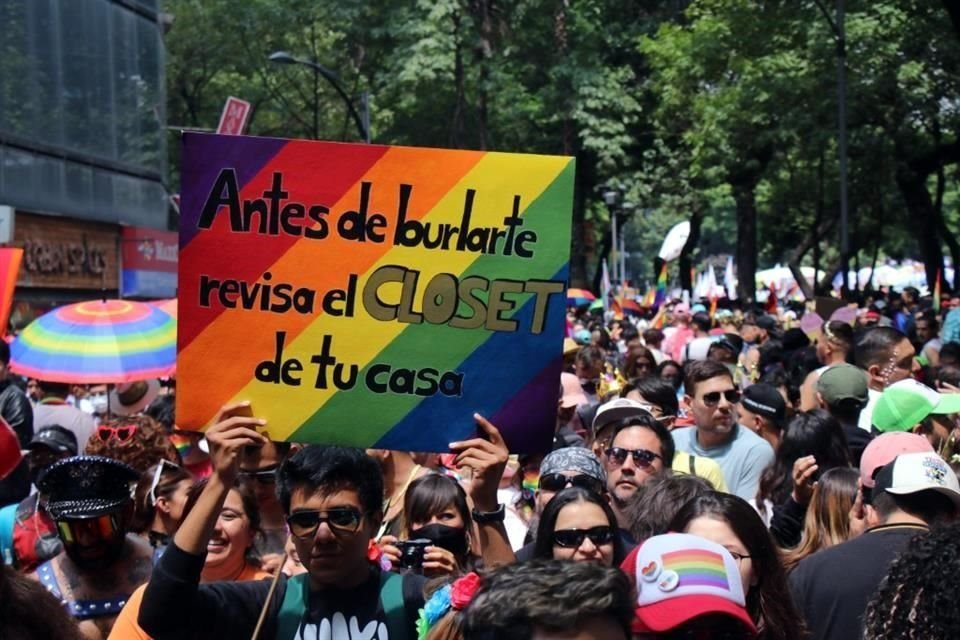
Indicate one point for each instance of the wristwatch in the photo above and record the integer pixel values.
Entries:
(486, 517)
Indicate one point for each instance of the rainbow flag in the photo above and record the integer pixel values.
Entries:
(649, 298)
(936, 293)
(661, 286)
(9, 269)
(412, 329)
(697, 568)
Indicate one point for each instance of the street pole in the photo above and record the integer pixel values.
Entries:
(623, 261)
(842, 117)
(613, 244)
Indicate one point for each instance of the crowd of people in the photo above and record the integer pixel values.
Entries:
(729, 475)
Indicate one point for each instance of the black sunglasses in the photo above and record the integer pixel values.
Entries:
(573, 538)
(559, 482)
(712, 399)
(643, 458)
(304, 524)
(267, 475)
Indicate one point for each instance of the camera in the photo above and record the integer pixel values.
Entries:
(411, 553)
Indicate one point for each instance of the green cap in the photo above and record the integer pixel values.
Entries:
(904, 404)
(843, 382)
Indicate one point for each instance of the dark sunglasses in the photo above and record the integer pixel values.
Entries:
(304, 524)
(712, 399)
(266, 475)
(573, 538)
(559, 482)
(123, 433)
(643, 458)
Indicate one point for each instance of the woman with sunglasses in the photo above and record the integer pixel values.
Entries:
(434, 508)
(230, 553)
(579, 525)
(733, 524)
(159, 500)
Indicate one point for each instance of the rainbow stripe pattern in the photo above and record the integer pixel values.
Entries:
(697, 568)
(511, 378)
(98, 341)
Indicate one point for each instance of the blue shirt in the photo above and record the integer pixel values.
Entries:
(742, 458)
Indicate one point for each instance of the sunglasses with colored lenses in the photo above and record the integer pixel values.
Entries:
(573, 538)
(304, 524)
(712, 399)
(123, 433)
(558, 482)
(643, 458)
(101, 527)
(267, 475)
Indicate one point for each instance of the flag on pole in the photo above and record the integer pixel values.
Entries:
(605, 287)
(728, 279)
(649, 298)
(9, 269)
(658, 320)
(661, 295)
(771, 306)
(936, 293)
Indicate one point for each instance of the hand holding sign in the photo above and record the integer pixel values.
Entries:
(234, 428)
(487, 457)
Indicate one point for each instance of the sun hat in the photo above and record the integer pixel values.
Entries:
(131, 398)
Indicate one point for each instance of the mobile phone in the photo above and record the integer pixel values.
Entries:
(411, 553)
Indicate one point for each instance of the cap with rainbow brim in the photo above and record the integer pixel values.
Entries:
(681, 577)
(904, 404)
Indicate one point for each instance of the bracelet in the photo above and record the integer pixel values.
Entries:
(486, 517)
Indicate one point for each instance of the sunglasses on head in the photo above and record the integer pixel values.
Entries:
(156, 479)
(573, 538)
(712, 399)
(123, 433)
(267, 475)
(643, 458)
(304, 524)
(558, 482)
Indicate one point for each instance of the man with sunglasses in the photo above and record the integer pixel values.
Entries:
(333, 500)
(89, 499)
(712, 396)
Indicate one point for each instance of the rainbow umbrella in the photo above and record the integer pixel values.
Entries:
(167, 306)
(579, 297)
(97, 341)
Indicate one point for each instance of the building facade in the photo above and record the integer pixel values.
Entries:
(82, 139)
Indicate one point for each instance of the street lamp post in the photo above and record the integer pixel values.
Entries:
(840, 36)
(363, 124)
(610, 198)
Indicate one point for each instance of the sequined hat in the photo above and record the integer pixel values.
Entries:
(86, 486)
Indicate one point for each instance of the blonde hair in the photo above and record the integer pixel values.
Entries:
(827, 522)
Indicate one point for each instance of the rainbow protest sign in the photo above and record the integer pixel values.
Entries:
(370, 295)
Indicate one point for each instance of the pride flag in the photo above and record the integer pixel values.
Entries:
(661, 286)
(936, 293)
(9, 269)
(411, 329)
(697, 568)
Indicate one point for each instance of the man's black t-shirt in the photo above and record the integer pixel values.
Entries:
(833, 587)
(176, 606)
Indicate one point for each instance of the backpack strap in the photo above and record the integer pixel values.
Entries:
(292, 608)
(391, 599)
(394, 608)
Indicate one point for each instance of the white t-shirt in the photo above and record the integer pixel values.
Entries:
(866, 416)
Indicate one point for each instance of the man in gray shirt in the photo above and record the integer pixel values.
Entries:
(711, 398)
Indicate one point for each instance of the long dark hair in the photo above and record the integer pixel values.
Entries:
(769, 602)
(543, 545)
(27, 610)
(429, 495)
(814, 433)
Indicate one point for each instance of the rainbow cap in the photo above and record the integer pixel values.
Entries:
(681, 577)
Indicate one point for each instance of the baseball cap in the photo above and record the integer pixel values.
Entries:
(55, 437)
(616, 410)
(86, 486)
(843, 382)
(906, 403)
(767, 322)
(911, 473)
(681, 577)
(884, 448)
(572, 391)
(573, 459)
(764, 400)
(698, 308)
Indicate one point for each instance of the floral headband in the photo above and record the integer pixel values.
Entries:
(454, 596)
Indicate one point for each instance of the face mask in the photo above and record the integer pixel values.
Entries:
(98, 403)
(453, 539)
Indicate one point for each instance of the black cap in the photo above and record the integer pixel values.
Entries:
(764, 400)
(55, 437)
(767, 322)
(86, 486)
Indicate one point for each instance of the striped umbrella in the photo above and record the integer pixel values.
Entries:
(579, 297)
(167, 306)
(97, 341)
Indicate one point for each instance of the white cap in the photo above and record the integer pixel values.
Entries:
(616, 410)
(914, 472)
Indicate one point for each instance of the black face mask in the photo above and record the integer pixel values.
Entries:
(453, 539)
